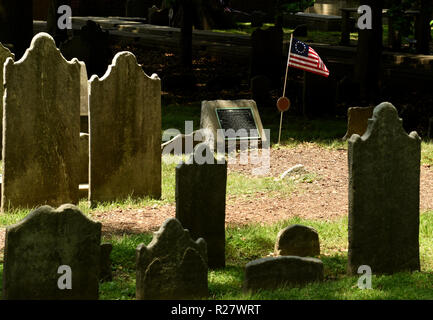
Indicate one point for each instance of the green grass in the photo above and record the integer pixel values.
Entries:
(244, 244)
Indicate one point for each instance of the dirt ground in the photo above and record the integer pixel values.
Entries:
(325, 198)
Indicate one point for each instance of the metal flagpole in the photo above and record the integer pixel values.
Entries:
(285, 84)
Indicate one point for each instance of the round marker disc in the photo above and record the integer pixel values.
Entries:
(283, 104)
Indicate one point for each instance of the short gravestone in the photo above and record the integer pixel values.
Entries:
(261, 91)
(125, 134)
(297, 240)
(172, 266)
(41, 247)
(225, 121)
(41, 127)
(274, 272)
(384, 183)
(201, 204)
(357, 120)
(4, 54)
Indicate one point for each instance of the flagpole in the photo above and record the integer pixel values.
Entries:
(285, 84)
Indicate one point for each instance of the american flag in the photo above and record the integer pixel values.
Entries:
(304, 57)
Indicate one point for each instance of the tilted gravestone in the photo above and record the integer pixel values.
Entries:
(44, 241)
(201, 204)
(298, 240)
(4, 54)
(384, 182)
(172, 266)
(274, 272)
(125, 132)
(41, 127)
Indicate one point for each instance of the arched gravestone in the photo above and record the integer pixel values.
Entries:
(384, 181)
(125, 132)
(46, 239)
(172, 266)
(4, 54)
(41, 127)
(201, 201)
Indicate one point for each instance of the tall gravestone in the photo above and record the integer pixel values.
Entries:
(384, 182)
(41, 247)
(4, 54)
(172, 266)
(201, 204)
(125, 132)
(41, 130)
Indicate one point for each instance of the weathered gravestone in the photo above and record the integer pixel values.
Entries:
(297, 240)
(41, 127)
(44, 241)
(201, 203)
(172, 266)
(384, 182)
(4, 54)
(274, 272)
(125, 132)
(357, 120)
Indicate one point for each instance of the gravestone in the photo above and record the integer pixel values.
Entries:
(125, 132)
(41, 127)
(319, 94)
(92, 46)
(274, 272)
(201, 204)
(267, 54)
(384, 182)
(297, 240)
(357, 120)
(4, 54)
(231, 114)
(42, 242)
(172, 266)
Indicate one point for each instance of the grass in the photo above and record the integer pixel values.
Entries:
(244, 244)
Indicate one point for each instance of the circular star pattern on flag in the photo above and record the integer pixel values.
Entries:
(300, 47)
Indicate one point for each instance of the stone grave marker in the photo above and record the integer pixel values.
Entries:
(44, 241)
(125, 132)
(384, 182)
(298, 240)
(4, 55)
(201, 204)
(41, 127)
(231, 115)
(274, 272)
(357, 120)
(172, 266)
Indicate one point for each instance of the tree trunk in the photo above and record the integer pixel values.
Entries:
(16, 24)
(186, 33)
(423, 30)
(369, 55)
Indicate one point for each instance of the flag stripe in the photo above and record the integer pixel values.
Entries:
(317, 71)
(303, 63)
